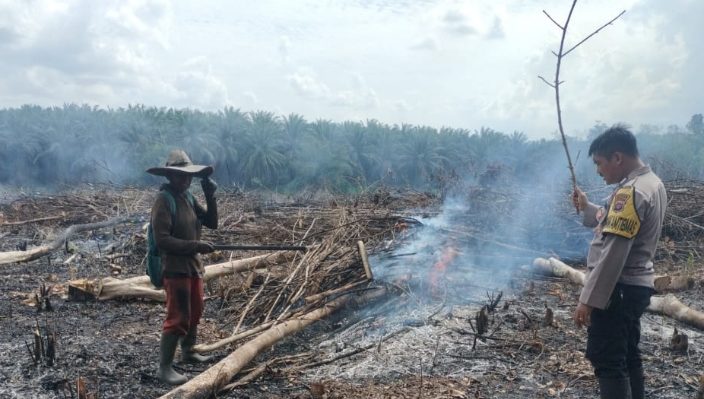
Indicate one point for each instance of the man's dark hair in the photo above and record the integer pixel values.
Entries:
(617, 138)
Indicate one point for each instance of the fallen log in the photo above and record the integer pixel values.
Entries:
(141, 287)
(58, 242)
(554, 267)
(673, 283)
(671, 306)
(557, 268)
(21, 222)
(204, 348)
(667, 305)
(213, 379)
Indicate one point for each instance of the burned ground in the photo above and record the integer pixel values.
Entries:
(419, 341)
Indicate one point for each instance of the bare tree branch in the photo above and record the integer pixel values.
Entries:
(557, 82)
(557, 95)
(594, 33)
(553, 21)
(546, 82)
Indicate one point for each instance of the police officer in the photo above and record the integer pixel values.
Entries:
(620, 277)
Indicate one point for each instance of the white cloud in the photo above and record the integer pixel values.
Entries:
(251, 98)
(496, 31)
(197, 86)
(427, 43)
(461, 29)
(284, 48)
(359, 96)
(402, 106)
(344, 60)
(306, 85)
(456, 22)
(454, 16)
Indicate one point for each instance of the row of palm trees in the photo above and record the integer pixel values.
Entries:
(259, 149)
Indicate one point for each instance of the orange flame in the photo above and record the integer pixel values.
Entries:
(438, 270)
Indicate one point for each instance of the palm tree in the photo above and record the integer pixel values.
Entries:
(263, 149)
(421, 156)
(233, 125)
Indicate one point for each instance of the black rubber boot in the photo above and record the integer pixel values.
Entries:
(637, 383)
(166, 371)
(187, 353)
(614, 388)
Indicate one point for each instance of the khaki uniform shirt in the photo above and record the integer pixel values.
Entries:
(177, 241)
(614, 258)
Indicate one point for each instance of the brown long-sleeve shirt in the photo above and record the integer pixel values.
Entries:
(626, 255)
(177, 241)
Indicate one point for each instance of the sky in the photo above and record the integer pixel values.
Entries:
(442, 63)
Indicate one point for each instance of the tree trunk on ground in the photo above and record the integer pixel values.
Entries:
(141, 287)
(667, 305)
(554, 267)
(213, 379)
(673, 283)
(58, 242)
(671, 306)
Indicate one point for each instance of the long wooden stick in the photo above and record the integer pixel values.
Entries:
(58, 242)
(21, 222)
(217, 376)
(204, 348)
(667, 305)
(556, 82)
(141, 287)
(249, 304)
(365, 260)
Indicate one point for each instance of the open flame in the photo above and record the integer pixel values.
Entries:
(437, 272)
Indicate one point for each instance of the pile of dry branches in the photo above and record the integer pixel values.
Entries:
(685, 217)
(331, 267)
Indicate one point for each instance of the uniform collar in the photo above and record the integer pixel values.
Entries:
(635, 173)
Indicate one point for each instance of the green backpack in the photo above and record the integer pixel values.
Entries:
(154, 269)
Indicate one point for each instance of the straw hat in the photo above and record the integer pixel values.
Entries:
(179, 162)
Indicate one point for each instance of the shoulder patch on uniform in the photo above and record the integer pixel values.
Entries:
(622, 219)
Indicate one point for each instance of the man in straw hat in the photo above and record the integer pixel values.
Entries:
(177, 231)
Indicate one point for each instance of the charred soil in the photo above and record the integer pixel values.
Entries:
(449, 329)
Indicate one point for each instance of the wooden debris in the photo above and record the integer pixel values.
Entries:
(667, 305)
(42, 298)
(549, 319)
(673, 283)
(58, 242)
(43, 350)
(554, 267)
(679, 342)
(42, 219)
(481, 321)
(365, 260)
(70, 259)
(141, 287)
(82, 390)
(81, 290)
(217, 376)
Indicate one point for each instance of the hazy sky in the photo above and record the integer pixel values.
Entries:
(463, 64)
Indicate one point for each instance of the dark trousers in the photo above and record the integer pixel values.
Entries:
(614, 334)
(184, 304)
